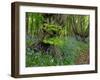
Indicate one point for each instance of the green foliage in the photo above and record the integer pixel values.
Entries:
(82, 23)
(77, 24)
(71, 49)
(56, 38)
(53, 41)
(29, 42)
(48, 31)
(39, 59)
(52, 27)
(34, 23)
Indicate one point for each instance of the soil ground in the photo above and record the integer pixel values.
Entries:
(83, 58)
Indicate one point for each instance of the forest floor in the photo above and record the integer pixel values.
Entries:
(83, 58)
(75, 53)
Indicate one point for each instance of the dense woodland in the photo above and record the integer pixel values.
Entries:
(56, 39)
